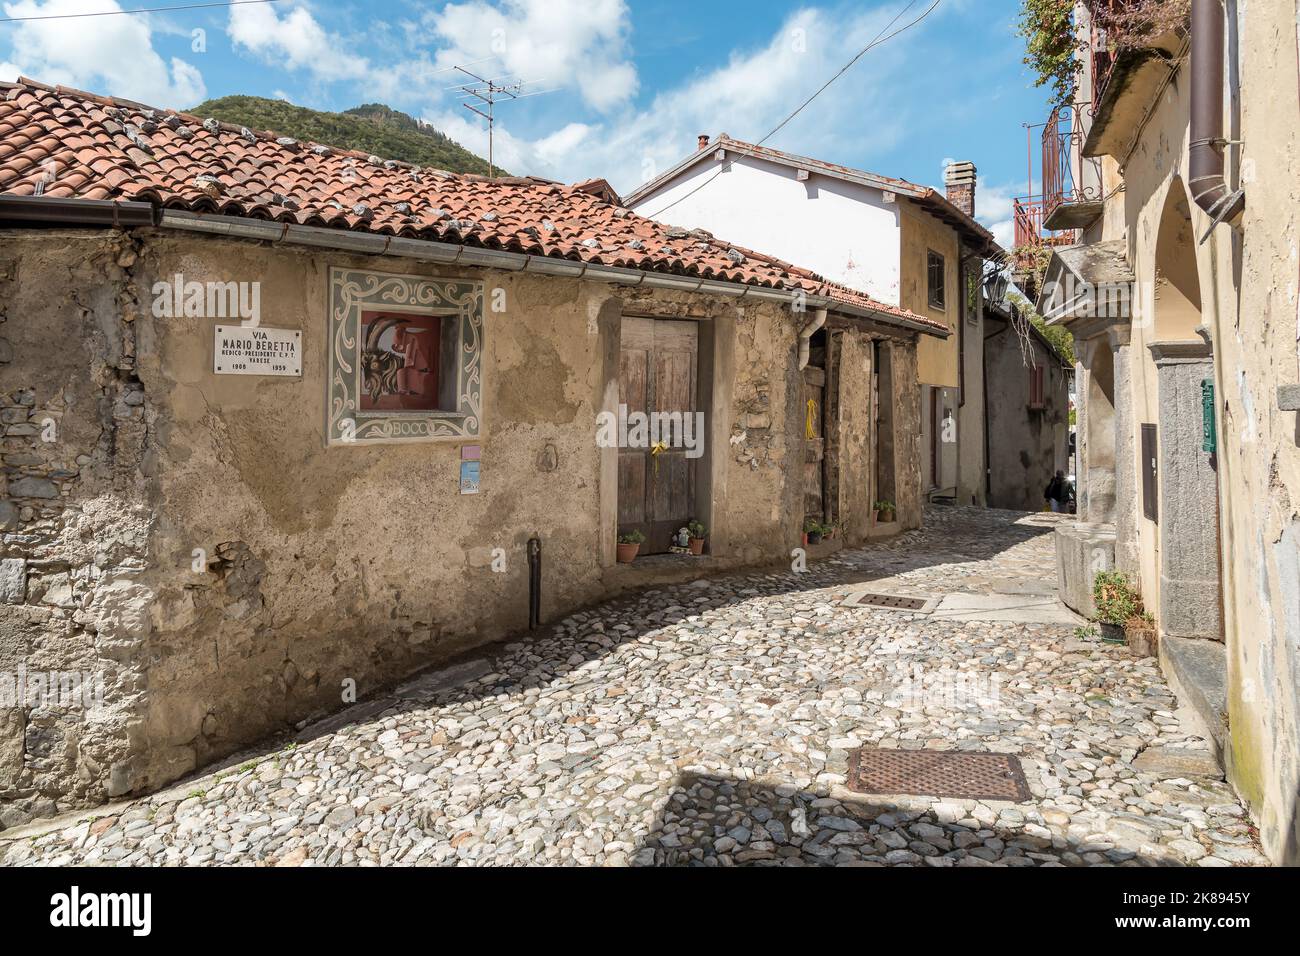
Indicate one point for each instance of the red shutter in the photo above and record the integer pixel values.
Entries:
(1036, 392)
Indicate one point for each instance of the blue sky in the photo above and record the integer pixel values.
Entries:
(634, 80)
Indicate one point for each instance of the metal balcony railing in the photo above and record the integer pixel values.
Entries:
(1103, 58)
(1068, 176)
(1030, 235)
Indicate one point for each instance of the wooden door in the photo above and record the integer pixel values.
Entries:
(658, 374)
(814, 398)
(1150, 473)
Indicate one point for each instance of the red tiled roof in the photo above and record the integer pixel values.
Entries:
(84, 146)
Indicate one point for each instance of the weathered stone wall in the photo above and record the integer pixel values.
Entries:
(75, 509)
(1023, 442)
(190, 537)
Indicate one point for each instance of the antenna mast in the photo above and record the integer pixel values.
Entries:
(487, 92)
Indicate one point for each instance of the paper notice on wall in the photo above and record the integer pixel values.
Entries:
(469, 477)
(246, 350)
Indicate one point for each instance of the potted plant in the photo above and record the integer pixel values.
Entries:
(628, 545)
(828, 530)
(699, 534)
(1140, 634)
(1116, 602)
(813, 531)
(884, 512)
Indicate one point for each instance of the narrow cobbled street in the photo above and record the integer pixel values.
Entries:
(712, 724)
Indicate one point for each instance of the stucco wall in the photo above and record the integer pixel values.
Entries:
(1250, 300)
(922, 233)
(843, 231)
(1257, 350)
(318, 566)
(1025, 444)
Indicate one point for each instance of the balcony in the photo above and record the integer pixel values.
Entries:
(1033, 239)
(1072, 184)
(1124, 75)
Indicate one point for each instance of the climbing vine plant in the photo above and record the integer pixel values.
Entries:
(1137, 23)
(1050, 44)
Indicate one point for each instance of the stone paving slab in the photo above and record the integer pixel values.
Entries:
(1022, 608)
(709, 724)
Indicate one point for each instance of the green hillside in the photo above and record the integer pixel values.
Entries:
(373, 128)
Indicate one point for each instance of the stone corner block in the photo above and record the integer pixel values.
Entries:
(13, 581)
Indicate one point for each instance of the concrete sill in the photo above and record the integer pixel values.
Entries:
(1197, 671)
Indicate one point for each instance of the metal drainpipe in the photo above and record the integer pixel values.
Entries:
(805, 336)
(1205, 150)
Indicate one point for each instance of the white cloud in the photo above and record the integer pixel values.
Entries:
(295, 41)
(116, 57)
(993, 208)
(579, 44)
(745, 97)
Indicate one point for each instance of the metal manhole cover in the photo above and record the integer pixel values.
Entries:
(895, 602)
(938, 773)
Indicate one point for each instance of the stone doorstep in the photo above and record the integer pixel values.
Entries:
(1197, 672)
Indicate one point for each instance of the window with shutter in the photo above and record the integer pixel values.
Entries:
(936, 280)
(1037, 393)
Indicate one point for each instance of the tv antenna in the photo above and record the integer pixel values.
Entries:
(486, 93)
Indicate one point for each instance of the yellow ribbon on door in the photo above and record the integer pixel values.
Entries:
(810, 425)
(657, 449)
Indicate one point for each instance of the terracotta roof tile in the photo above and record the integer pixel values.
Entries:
(115, 149)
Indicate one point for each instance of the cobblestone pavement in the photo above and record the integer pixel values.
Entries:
(710, 724)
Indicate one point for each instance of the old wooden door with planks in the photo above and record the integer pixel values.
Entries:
(657, 373)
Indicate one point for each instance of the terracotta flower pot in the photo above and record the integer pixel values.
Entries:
(805, 539)
(884, 517)
(697, 546)
(1141, 641)
(627, 552)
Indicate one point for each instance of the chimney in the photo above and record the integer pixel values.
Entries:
(703, 141)
(960, 180)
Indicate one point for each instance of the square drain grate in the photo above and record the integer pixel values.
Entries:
(895, 602)
(938, 773)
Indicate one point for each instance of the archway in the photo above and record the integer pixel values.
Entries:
(1181, 493)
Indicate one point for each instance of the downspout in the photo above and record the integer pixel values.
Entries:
(1205, 150)
(805, 336)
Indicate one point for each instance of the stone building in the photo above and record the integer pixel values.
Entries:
(1182, 298)
(903, 243)
(279, 422)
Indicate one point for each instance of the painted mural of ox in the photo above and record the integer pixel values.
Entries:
(380, 365)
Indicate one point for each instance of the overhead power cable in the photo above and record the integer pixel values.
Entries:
(111, 13)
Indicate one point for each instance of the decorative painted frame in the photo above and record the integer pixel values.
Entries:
(353, 290)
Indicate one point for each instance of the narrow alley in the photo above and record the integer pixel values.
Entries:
(713, 724)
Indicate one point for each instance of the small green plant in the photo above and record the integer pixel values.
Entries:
(632, 537)
(813, 526)
(884, 506)
(1116, 599)
(696, 530)
(1087, 633)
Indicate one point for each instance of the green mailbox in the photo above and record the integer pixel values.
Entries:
(1209, 442)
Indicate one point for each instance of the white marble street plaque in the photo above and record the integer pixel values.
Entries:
(249, 350)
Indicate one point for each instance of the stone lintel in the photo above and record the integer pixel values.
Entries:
(1189, 352)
